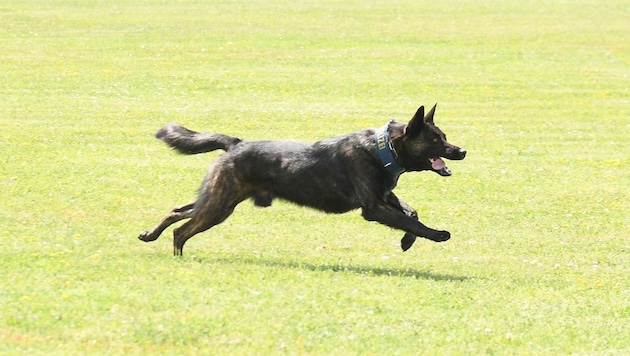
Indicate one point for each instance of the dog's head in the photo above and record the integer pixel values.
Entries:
(423, 145)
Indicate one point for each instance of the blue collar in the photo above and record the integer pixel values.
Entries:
(386, 151)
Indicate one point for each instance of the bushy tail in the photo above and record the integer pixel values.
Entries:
(190, 142)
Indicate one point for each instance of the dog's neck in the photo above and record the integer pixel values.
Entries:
(386, 151)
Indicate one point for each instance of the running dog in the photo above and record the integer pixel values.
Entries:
(335, 175)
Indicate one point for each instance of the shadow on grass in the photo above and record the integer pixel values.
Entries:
(363, 270)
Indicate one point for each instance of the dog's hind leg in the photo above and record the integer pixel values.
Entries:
(201, 221)
(177, 214)
(215, 203)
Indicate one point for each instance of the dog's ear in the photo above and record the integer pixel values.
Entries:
(416, 123)
(429, 117)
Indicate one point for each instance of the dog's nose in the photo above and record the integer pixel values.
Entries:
(462, 153)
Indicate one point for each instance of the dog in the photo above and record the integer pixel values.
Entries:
(335, 175)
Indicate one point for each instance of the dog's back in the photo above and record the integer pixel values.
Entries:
(322, 175)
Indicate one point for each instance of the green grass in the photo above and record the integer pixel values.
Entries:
(536, 91)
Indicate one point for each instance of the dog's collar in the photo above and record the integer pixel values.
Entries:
(386, 151)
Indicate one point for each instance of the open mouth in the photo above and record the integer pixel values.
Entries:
(438, 165)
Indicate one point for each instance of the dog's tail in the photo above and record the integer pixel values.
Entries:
(190, 142)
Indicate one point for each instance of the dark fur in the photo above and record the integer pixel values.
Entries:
(334, 175)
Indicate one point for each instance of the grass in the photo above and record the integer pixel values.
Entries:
(537, 92)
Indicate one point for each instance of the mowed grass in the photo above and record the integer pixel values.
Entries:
(537, 92)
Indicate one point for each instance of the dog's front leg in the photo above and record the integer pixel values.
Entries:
(395, 217)
(407, 241)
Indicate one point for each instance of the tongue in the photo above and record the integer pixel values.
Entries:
(437, 164)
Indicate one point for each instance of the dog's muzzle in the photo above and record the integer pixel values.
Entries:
(438, 165)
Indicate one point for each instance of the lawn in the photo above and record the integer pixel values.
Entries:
(538, 92)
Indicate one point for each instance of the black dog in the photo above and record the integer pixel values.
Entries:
(336, 175)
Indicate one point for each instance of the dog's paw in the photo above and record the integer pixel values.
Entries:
(146, 237)
(441, 236)
(407, 241)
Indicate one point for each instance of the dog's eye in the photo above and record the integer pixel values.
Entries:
(436, 140)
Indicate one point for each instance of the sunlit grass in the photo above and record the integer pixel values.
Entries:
(537, 93)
